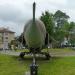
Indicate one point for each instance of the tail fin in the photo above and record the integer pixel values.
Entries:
(34, 5)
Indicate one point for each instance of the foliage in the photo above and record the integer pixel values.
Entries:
(58, 27)
(60, 18)
(14, 42)
(47, 19)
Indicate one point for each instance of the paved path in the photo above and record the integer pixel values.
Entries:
(9, 52)
(57, 54)
(63, 54)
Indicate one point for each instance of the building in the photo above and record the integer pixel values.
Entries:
(6, 36)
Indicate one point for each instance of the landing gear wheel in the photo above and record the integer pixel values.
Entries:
(33, 69)
(22, 54)
(47, 56)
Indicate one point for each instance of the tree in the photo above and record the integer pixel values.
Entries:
(72, 27)
(60, 18)
(58, 27)
(72, 32)
(47, 19)
(69, 31)
(68, 28)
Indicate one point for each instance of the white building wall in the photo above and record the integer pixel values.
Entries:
(5, 40)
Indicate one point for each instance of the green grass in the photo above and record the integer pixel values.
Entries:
(60, 50)
(10, 65)
(58, 66)
(22, 50)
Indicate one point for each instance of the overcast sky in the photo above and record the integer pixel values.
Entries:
(15, 13)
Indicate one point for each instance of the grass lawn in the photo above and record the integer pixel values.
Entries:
(10, 65)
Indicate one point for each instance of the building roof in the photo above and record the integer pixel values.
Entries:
(3, 30)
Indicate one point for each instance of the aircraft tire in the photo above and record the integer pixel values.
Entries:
(22, 55)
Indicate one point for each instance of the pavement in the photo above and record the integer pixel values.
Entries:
(53, 54)
(10, 52)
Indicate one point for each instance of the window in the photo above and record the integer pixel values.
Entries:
(6, 33)
(6, 37)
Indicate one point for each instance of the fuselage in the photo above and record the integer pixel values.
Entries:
(34, 34)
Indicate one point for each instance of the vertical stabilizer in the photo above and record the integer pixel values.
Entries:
(34, 6)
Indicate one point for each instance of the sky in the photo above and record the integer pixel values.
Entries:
(15, 13)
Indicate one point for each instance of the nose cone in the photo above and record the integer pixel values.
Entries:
(35, 34)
